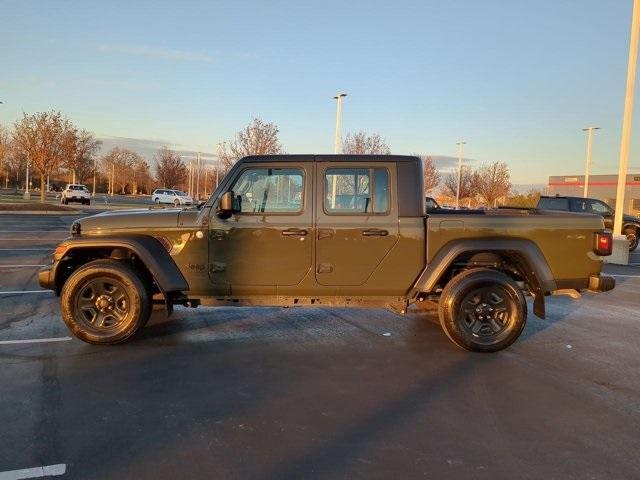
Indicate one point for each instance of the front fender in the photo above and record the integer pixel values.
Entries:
(149, 251)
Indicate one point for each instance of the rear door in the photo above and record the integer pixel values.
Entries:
(356, 220)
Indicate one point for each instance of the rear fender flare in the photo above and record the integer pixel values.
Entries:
(528, 258)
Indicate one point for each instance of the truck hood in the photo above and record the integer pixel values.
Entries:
(630, 218)
(139, 219)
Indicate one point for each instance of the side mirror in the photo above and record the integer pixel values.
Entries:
(225, 205)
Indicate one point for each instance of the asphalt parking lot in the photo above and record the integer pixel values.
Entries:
(312, 393)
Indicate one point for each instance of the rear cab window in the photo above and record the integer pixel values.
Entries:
(356, 191)
(553, 204)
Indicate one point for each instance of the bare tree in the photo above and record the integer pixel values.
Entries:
(257, 138)
(493, 182)
(361, 143)
(468, 181)
(122, 162)
(528, 200)
(83, 151)
(170, 169)
(141, 176)
(41, 138)
(431, 174)
(5, 151)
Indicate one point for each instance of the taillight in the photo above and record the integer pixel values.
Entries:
(603, 244)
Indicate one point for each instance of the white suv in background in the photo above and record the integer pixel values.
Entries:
(74, 192)
(167, 195)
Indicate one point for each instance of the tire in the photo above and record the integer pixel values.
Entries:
(482, 310)
(157, 201)
(64, 201)
(88, 202)
(632, 236)
(176, 203)
(114, 320)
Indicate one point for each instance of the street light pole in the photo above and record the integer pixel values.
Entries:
(218, 162)
(27, 195)
(95, 167)
(337, 147)
(589, 131)
(337, 144)
(625, 139)
(460, 144)
(198, 179)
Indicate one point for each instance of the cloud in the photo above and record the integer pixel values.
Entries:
(157, 53)
(445, 163)
(147, 148)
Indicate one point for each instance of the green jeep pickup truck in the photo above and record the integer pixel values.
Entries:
(305, 230)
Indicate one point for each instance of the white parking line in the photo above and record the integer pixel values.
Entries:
(34, 340)
(35, 231)
(37, 472)
(16, 266)
(619, 275)
(47, 240)
(21, 292)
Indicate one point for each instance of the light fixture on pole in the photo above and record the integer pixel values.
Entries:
(625, 138)
(589, 131)
(460, 144)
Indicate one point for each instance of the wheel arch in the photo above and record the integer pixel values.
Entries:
(147, 251)
(521, 254)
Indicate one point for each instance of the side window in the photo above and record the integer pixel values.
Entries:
(269, 190)
(581, 206)
(600, 208)
(356, 190)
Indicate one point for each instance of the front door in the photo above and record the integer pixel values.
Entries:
(357, 221)
(268, 242)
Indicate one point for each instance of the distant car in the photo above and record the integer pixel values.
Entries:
(75, 192)
(431, 204)
(630, 224)
(174, 197)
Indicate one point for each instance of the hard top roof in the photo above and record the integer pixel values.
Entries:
(328, 158)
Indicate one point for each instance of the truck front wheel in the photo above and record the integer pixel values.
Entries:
(105, 302)
(482, 310)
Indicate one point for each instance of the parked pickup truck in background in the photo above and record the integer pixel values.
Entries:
(630, 226)
(325, 230)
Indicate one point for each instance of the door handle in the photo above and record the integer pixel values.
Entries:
(374, 232)
(294, 232)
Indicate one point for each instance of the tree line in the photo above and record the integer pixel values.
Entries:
(52, 145)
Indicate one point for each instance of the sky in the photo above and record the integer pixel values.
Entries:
(516, 79)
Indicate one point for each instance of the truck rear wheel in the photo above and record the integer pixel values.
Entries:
(632, 237)
(105, 302)
(482, 310)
